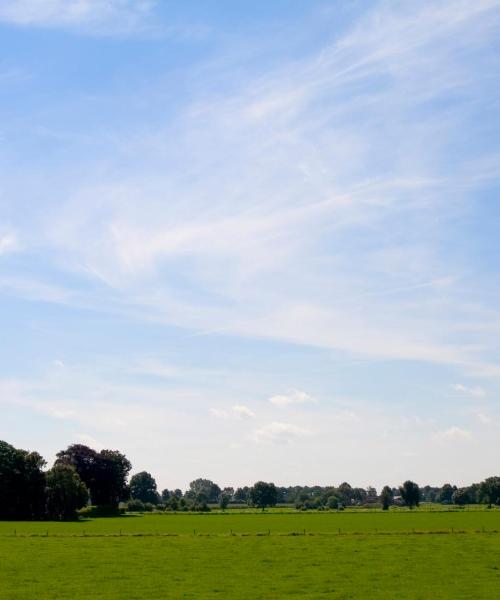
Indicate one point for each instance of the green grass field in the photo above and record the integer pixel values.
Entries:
(376, 555)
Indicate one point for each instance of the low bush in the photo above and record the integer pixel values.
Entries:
(100, 511)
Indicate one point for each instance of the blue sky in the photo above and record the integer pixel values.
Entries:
(253, 240)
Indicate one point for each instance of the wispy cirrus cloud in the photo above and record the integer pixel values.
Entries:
(91, 16)
(301, 188)
(305, 213)
(477, 391)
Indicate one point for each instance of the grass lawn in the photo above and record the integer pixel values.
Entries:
(323, 565)
(276, 522)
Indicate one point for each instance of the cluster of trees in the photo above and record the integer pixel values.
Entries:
(199, 496)
(203, 493)
(78, 476)
(486, 492)
(82, 476)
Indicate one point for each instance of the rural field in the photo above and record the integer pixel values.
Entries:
(414, 555)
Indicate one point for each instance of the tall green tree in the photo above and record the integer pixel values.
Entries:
(410, 492)
(203, 490)
(445, 495)
(104, 473)
(386, 497)
(143, 487)
(22, 483)
(85, 460)
(65, 492)
(332, 502)
(224, 499)
(345, 493)
(114, 468)
(489, 490)
(242, 494)
(462, 496)
(263, 494)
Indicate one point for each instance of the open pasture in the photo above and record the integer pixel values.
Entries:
(91, 560)
(264, 522)
(311, 567)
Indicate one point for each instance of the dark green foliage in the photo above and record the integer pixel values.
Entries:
(135, 505)
(100, 512)
(350, 496)
(332, 502)
(172, 504)
(104, 473)
(22, 484)
(410, 492)
(143, 487)
(429, 494)
(199, 506)
(242, 495)
(224, 500)
(84, 460)
(203, 491)
(112, 478)
(489, 490)
(263, 494)
(445, 495)
(26, 492)
(462, 496)
(66, 493)
(386, 497)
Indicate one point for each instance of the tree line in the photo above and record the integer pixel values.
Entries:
(82, 477)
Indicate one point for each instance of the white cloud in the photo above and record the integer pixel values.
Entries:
(477, 391)
(347, 416)
(294, 397)
(453, 434)
(97, 16)
(220, 413)
(142, 420)
(484, 419)
(8, 243)
(243, 411)
(277, 432)
(238, 411)
(88, 440)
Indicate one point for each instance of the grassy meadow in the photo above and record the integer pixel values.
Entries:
(400, 554)
(271, 521)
